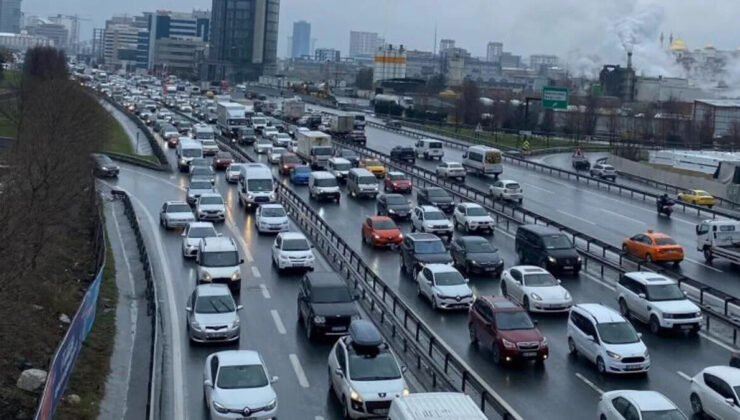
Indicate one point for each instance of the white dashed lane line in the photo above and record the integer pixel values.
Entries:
(265, 292)
(589, 383)
(299, 373)
(256, 272)
(278, 321)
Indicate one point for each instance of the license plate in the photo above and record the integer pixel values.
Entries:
(687, 327)
(382, 411)
(633, 368)
(338, 328)
(529, 354)
(490, 268)
(567, 267)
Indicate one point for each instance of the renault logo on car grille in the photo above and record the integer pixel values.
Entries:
(381, 394)
(247, 411)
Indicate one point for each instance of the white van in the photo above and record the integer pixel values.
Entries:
(429, 149)
(187, 150)
(322, 184)
(435, 406)
(483, 160)
(203, 132)
(339, 167)
(255, 185)
(361, 182)
(218, 262)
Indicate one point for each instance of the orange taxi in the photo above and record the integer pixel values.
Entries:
(381, 231)
(653, 246)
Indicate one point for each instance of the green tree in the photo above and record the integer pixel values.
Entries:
(364, 78)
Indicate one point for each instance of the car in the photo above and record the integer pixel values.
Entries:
(653, 246)
(274, 155)
(183, 126)
(603, 171)
(236, 385)
(716, 391)
(210, 206)
(393, 124)
(506, 189)
(395, 206)
(173, 140)
(202, 172)
(535, 289)
(474, 254)
(505, 328)
(245, 135)
(444, 287)
(282, 140)
(323, 185)
(222, 160)
(602, 336)
(397, 182)
(364, 374)
(374, 166)
(271, 218)
(218, 261)
(196, 188)
(626, 404)
(548, 248)
(451, 170)
(300, 174)
(201, 162)
(175, 214)
(431, 220)
(419, 249)
(262, 146)
(288, 161)
(435, 196)
(348, 154)
(210, 147)
(103, 166)
(403, 154)
(233, 172)
(381, 231)
(697, 197)
(658, 301)
(192, 235)
(212, 314)
(270, 133)
(292, 250)
(326, 306)
(473, 218)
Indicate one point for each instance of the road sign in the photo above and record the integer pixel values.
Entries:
(554, 97)
(478, 128)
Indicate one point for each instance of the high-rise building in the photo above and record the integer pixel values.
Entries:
(10, 16)
(56, 32)
(389, 63)
(327, 54)
(364, 44)
(446, 44)
(177, 41)
(494, 50)
(301, 39)
(243, 42)
(126, 42)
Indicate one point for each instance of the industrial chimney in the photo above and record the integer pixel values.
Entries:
(629, 59)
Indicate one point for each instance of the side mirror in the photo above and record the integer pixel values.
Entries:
(182, 234)
(274, 379)
(241, 261)
(591, 338)
(188, 309)
(208, 383)
(339, 372)
(685, 293)
(467, 280)
(639, 335)
(404, 369)
(313, 246)
(559, 281)
(730, 401)
(239, 307)
(535, 322)
(641, 295)
(219, 234)
(429, 282)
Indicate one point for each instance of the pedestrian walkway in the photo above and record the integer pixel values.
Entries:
(135, 135)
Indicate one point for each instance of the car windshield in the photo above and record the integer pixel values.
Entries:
(661, 292)
(348, 154)
(372, 162)
(434, 215)
(364, 180)
(540, 280)
(384, 225)
(477, 211)
(200, 185)
(290, 158)
(395, 199)
(202, 232)
(664, 241)
(342, 166)
(199, 170)
(450, 278)
(429, 247)
(326, 182)
(397, 177)
(192, 152)
(200, 162)
(617, 333)
(480, 246)
(438, 194)
(278, 150)
(264, 142)
(454, 166)
(178, 208)
(223, 155)
(435, 145)
(298, 244)
(663, 415)
(331, 294)
(322, 151)
(382, 366)
(512, 186)
(557, 241)
(245, 376)
(273, 212)
(214, 304)
(258, 121)
(513, 321)
(301, 169)
(219, 259)
(211, 200)
(259, 185)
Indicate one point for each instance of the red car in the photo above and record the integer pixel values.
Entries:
(172, 141)
(397, 182)
(222, 160)
(288, 161)
(381, 231)
(505, 328)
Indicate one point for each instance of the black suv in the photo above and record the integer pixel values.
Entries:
(403, 153)
(474, 254)
(394, 206)
(245, 135)
(547, 247)
(435, 196)
(418, 249)
(326, 306)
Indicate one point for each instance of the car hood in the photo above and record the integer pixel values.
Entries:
(212, 207)
(387, 233)
(274, 220)
(441, 258)
(627, 350)
(479, 219)
(334, 309)
(484, 257)
(445, 222)
(440, 200)
(563, 253)
(183, 215)
(297, 253)
(192, 192)
(454, 290)
(400, 182)
(549, 293)
(519, 336)
(400, 207)
(226, 318)
(676, 306)
(372, 390)
(240, 398)
(219, 272)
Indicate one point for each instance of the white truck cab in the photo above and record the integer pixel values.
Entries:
(719, 238)
(435, 406)
(255, 185)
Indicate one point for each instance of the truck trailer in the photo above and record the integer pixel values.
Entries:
(314, 147)
(230, 117)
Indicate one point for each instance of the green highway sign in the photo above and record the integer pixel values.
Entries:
(554, 97)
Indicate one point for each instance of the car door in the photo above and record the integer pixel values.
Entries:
(407, 248)
(191, 304)
(304, 299)
(484, 327)
(635, 246)
(380, 206)
(163, 211)
(640, 305)
(367, 228)
(425, 281)
(498, 187)
(338, 381)
(616, 408)
(591, 341)
(714, 400)
(456, 251)
(258, 215)
(276, 249)
(516, 283)
(533, 248)
(416, 218)
(212, 375)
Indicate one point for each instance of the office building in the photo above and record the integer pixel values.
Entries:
(10, 16)
(56, 32)
(722, 114)
(177, 41)
(243, 44)
(494, 50)
(327, 54)
(389, 63)
(422, 64)
(301, 39)
(363, 45)
(126, 43)
(446, 44)
(21, 42)
(508, 59)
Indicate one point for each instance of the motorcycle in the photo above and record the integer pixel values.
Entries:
(665, 208)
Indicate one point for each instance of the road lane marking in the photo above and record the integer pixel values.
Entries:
(278, 322)
(576, 217)
(719, 343)
(538, 188)
(589, 383)
(318, 418)
(298, 369)
(256, 272)
(623, 216)
(601, 282)
(683, 375)
(265, 292)
(704, 265)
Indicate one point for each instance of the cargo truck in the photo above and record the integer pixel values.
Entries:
(293, 109)
(230, 118)
(314, 147)
(719, 239)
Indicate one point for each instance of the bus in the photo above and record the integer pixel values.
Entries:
(483, 160)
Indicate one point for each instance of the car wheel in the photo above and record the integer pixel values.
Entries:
(309, 330)
(331, 383)
(413, 228)
(623, 309)
(468, 268)
(696, 406)
(648, 258)
(525, 303)
(625, 250)
(602, 417)
(467, 228)
(495, 353)
(300, 314)
(572, 347)
(418, 289)
(434, 303)
(654, 325)
(600, 366)
(473, 335)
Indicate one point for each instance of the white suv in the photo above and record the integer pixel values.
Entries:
(431, 220)
(444, 286)
(604, 337)
(603, 171)
(210, 206)
(658, 301)
(714, 391)
(506, 189)
(473, 217)
(451, 170)
(292, 250)
(271, 218)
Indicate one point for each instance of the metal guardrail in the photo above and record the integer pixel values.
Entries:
(714, 303)
(122, 157)
(153, 401)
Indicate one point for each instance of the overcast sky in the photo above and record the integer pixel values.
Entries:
(562, 27)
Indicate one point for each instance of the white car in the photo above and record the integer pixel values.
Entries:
(292, 250)
(658, 301)
(603, 171)
(451, 170)
(506, 190)
(210, 206)
(210, 147)
(233, 172)
(444, 286)
(274, 155)
(364, 374)
(628, 404)
(175, 214)
(602, 336)
(271, 218)
(236, 385)
(270, 133)
(535, 289)
(431, 220)
(262, 146)
(716, 391)
(473, 218)
(282, 140)
(192, 235)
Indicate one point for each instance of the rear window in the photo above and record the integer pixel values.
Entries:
(512, 186)
(664, 241)
(435, 145)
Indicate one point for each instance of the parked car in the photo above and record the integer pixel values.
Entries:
(326, 306)
(535, 289)
(474, 254)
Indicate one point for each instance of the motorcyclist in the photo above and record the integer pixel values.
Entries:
(663, 201)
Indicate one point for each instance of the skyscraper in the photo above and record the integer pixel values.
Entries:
(301, 39)
(494, 50)
(10, 16)
(243, 39)
(364, 44)
(177, 41)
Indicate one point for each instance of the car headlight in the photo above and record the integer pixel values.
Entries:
(235, 276)
(567, 296)
(400, 236)
(391, 211)
(207, 276)
(667, 316)
(105, 168)
(613, 355)
(508, 344)
(319, 319)
(356, 317)
(194, 325)
(405, 392)
(250, 197)
(646, 355)
(697, 315)
(235, 324)
(354, 395)
(535, 296)
(219, 408)
(271, 405)
(375, 235)
(543, 342)
(579, 259)
(283, 257)
(474, 262)
(271, 196)
(551, 260)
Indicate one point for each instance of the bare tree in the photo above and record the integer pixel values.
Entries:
(468, 105)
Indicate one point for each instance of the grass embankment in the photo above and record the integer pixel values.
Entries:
(93, 365)
(119, 142)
